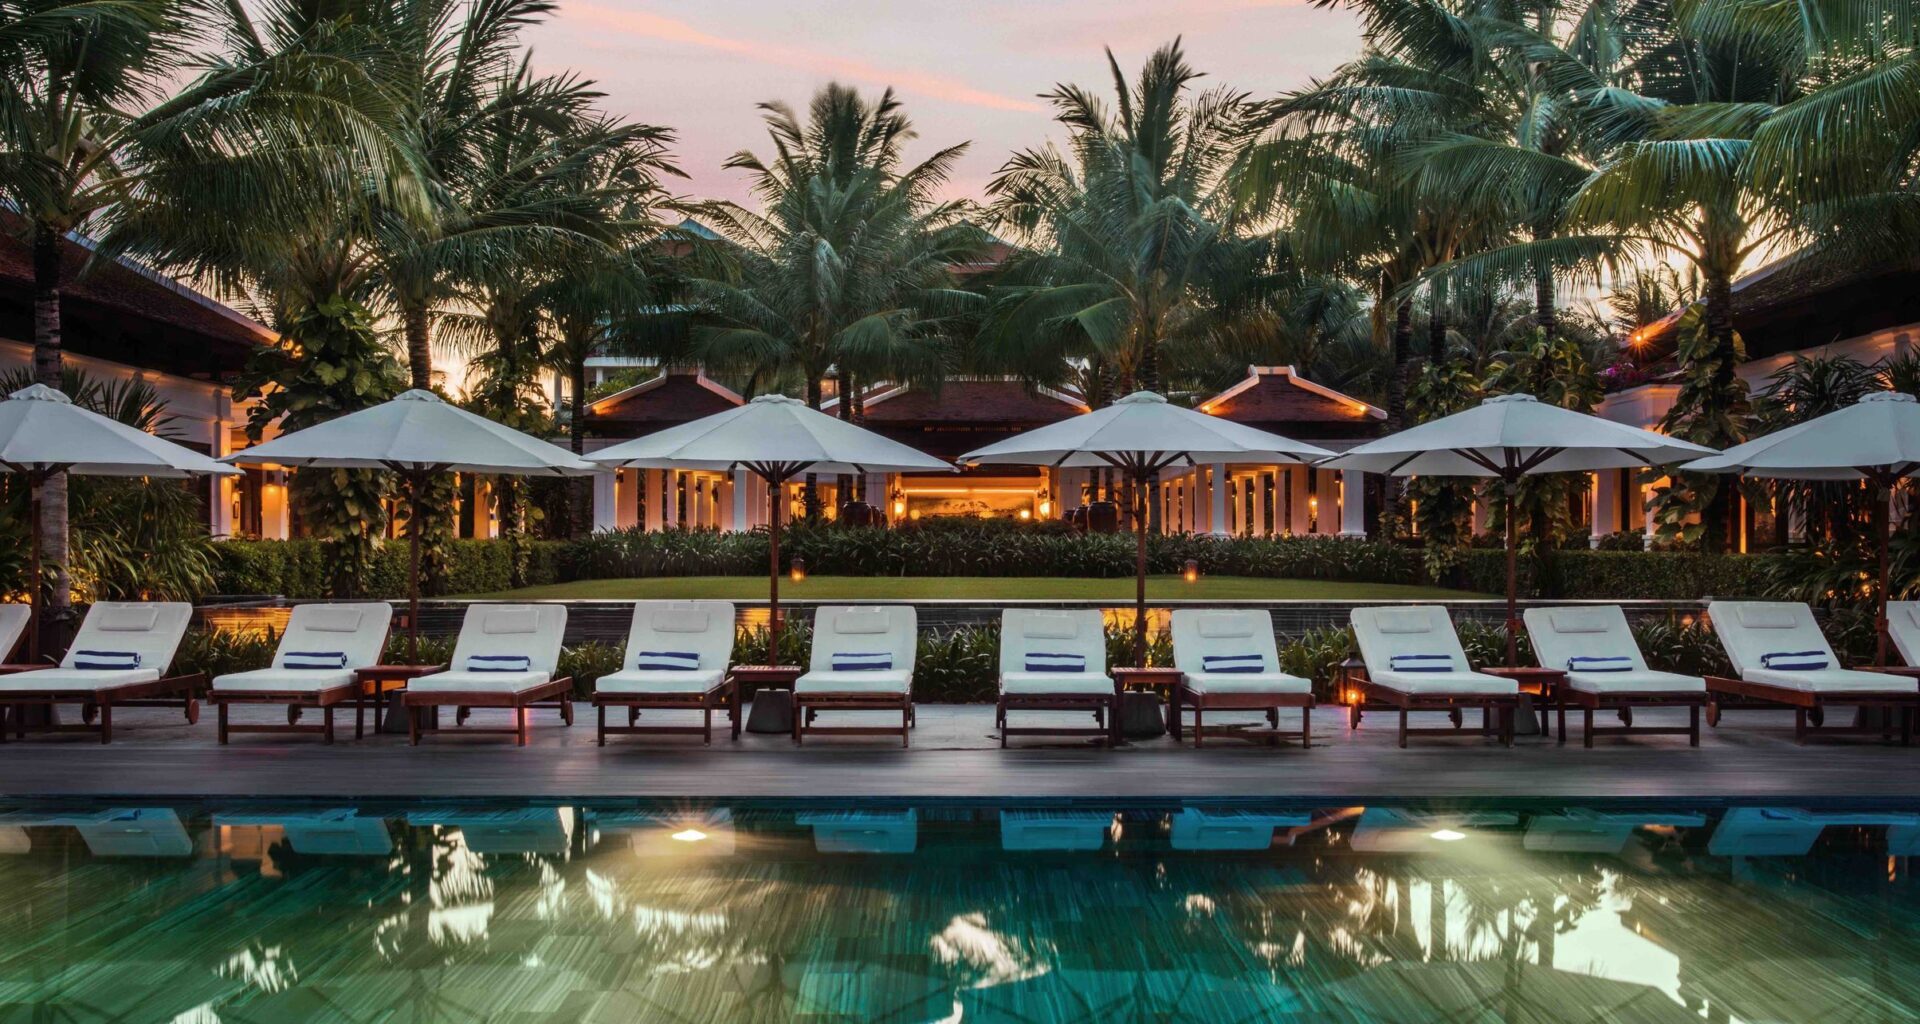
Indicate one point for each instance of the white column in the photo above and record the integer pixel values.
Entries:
(220, 488)
(1297, 489)
(669, 498)
(606, 512)
(1328, 523)
(627, 491)
(1481, 515)
(1646, 506)
(649, 482)
(1606, 505)
(276, 521)
(1353, 504)
(742, 483)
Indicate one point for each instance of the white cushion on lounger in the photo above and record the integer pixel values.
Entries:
(698, 680)
(283, 679)
(1246, 682)
(1832, 680)
(1444, 682)
(829, 681)
(79, 679)
(1903, 627)
(463, 681)
(1750, 630)
(1648, 681)
(1055, 682)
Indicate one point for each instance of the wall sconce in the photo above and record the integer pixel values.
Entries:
(1026, 513)
(1046, 508)
(914, 515)
(797, 571)
(1192, 573)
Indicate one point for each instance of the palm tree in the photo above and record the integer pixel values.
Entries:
(1131, 237)
(849, 265)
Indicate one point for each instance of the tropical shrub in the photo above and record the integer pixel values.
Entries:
(299, 569)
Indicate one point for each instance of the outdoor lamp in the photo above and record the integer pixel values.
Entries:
(1192, 573)
(797, 571)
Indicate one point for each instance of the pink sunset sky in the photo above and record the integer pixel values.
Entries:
(967, 70)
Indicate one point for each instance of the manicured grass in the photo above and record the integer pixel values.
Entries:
(989, 588)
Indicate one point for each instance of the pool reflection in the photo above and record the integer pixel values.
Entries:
(1203, 912)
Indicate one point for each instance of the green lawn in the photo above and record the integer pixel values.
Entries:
(842, 588)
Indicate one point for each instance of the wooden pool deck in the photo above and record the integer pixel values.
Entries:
(955, 753)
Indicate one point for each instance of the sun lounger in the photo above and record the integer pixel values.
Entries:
(13, 627)
(681, 832)
(1784, 661)
(506, 657)
(509, 831)
(118, 659)
(678, 656)
(327, 832)
(115, 831)
(1054, 661)
(316, 665)
(1792, 831)
(1200, 828)
(1903, 627)
(1228, 661)
(862, 660)
(1606, 671)
(1403, 830)
(1579, 830)
(1414, 662)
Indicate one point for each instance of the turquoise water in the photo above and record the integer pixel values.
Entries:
(1214, 913)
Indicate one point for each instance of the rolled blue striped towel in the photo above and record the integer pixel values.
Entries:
(1595, 663)
(1794, 661)
(870, 661)
(314, 659)
(1421, 663)
(106, 660)
(667, 661)
(1038, 661)
(499, 663)
(1232, 663)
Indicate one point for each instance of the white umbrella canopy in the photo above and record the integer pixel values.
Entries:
(1508, 437)
(43, 433)
(1877, 439)
(417, 431)
(776, 438)
(775, 432)
(416, 434)
(1140, 435)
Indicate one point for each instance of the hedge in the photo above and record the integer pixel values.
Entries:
(298, 568)
(1620, 575)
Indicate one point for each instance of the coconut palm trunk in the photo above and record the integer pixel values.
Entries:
(419, 347)
(57, 611)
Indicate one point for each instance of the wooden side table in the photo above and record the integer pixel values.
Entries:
(388, 681)
(1160, 680)
(775, 714)
(1542, 682)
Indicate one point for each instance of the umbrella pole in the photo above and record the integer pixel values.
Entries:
(773, 571)
(1881, 496)
(34, 482)
(1513, 624)
(1140, 569)
(413, 568)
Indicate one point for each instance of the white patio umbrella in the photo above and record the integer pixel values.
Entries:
(1877, 439)
(416, 435)
(1140, 435)
(43, 433)
(1508, 437)
(776, 438)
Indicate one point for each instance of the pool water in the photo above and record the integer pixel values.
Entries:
(1215, 913)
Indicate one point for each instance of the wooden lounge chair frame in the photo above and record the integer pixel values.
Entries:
(171, 692)
(1623, 703)
(808, 705)
(423, 717)
(1104, 707)
(1185, 698)
(1810, 707)
(725, 697)
(1505, 705)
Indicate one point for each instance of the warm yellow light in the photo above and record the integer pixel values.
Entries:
(1026, 514)
(899, 509)
(1447, 835)
(915, 514)
(692, 835)
(1046, 508)
(1192, 573)
(797, 572)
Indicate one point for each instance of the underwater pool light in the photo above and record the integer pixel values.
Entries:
(1447, 835)
(692, 835)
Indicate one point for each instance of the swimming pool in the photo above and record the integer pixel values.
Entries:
(635, 911)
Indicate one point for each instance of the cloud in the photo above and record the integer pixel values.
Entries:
(670, 30)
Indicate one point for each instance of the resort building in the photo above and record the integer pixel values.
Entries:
(1870, 314)
(967, 413)
(122, 322)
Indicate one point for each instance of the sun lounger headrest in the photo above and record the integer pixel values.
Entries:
(1579, 620)
(1913, 612)
(517, 619)
(1224, 625)
(861, 622)
(1048, 626)
(1769, 617)
(682, 620)
(331, 620)
(127, 618)
(1403, 620)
